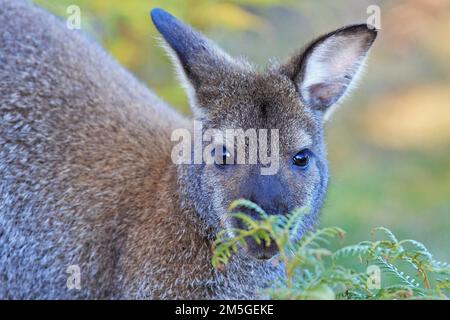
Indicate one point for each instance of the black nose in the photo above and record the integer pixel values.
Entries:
(268, 192)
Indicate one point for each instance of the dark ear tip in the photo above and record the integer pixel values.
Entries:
(363, 27)
(159, 15)
(369, 30)
(373, 31)
(155, 13)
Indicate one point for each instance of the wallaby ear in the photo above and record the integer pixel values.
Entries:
(328, 68)
(197, 59)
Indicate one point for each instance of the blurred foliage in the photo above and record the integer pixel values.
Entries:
(390, 143)
(125, 30)
(413, 118)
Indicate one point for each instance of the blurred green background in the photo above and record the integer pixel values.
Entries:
(389, 144)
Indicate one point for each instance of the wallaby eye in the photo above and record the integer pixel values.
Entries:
(222, 155)
(301, 159)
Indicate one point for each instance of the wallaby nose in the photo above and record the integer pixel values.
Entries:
(269, 193)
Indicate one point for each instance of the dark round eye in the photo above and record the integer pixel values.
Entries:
(222, 156)
(301, 159)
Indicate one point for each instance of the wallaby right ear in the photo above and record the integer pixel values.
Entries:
(197, 59)
(326, 69)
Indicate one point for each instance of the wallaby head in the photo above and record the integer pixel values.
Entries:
(295, 98)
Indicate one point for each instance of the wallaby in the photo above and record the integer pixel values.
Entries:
(88, 182)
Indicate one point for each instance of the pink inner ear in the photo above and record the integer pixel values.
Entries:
(332, 65)
(323, 95)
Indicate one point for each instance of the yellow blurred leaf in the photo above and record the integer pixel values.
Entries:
(260, 2)
(228, 15)
(124, 51)
(417, 118)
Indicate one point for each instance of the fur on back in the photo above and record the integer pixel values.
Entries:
(83, 144)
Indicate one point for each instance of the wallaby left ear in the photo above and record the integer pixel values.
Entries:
(198, 60)
(326, 70)
(198, 57)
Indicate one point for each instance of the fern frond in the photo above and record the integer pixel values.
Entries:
(295, 221)
(396, 273)
(351, 251)
(440, 267)
(314, 239)
(386, 232)
(247, 204)
(312, 270)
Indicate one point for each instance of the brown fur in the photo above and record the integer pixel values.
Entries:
(87, 178)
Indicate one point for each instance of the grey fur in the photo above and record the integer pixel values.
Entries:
(87, 178)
